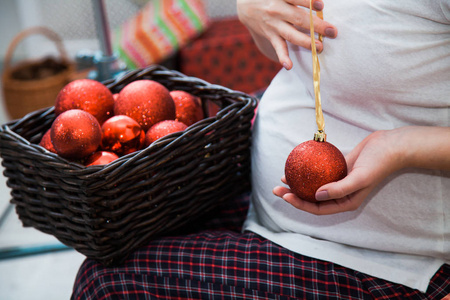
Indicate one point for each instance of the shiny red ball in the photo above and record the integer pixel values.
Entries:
(311, 165)
(46, 142)
(161, 129)
(100, 158)
(146, 101)
(188, 108)
(122, 135)
(88, 95)
(75, 134)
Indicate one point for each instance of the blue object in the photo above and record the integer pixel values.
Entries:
(17, 252)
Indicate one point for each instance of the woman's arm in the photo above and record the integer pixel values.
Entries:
(377, 156)
(273, 22)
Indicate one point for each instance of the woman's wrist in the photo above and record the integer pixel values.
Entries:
(423, 147)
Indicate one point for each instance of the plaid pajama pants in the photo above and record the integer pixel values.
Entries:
(223, 263)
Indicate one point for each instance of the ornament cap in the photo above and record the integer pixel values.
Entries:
(320, 136)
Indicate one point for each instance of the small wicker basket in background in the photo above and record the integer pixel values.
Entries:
(33, 84)
(105, 212)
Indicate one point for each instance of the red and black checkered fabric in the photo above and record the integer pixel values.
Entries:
(222, 263)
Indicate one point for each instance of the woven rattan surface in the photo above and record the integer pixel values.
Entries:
(105, 212)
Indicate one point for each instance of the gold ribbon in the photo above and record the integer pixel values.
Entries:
(316, 70)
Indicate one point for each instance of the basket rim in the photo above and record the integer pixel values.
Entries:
(168, 141)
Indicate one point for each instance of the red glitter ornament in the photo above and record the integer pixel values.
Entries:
(46, 142)
(311, 165)
(188, 108)
(314, 163)
(122, 135)
(161, 129)
(75, 134)
(146, 101)
(88, 95)
(100, 158)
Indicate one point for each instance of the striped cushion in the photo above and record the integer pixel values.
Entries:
(159, 29)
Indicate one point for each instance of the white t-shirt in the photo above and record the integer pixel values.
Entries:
(389, 67)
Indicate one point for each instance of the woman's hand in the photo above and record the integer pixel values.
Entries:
(273, 22)
(377, 156)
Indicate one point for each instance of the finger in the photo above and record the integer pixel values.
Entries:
(296, 37)
(334, 206)
(356, 180)
(316, 208)
(316, 5)
(283, 179)
(348, 203)
(281, 49)
(291, 24)
(280, 191)
(300, 17)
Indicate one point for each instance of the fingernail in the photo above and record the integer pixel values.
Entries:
(330, 32)
(285, 65)
(318, 5)
(322, 195)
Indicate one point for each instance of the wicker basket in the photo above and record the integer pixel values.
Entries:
(105, 212)
(24, 94)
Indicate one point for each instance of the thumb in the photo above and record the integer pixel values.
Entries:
(355, 181)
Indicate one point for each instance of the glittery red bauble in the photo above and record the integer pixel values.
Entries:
(46, 142)
(146, 101)
(188, 108)
(161, 129)
(311, 165)
(75, 134)
(122, 135)
(100, 158)
(88, 95)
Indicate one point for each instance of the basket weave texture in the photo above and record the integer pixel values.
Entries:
(105, 212)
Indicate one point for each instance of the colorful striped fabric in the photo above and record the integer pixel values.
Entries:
(159, 29)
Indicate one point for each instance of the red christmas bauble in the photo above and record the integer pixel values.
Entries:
(75, 134)
(122, 135)
(146, 101)
(46, 142)
(311, 165)
(100, 158)
(161, 129)
(188, 108)
(88, 95)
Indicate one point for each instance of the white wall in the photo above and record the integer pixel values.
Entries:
(9, 23)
